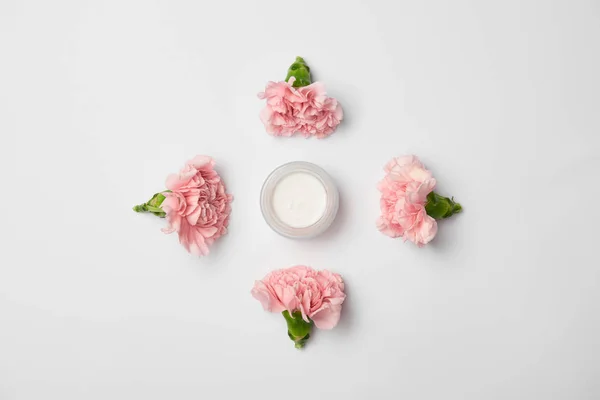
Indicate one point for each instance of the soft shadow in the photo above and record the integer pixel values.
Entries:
(218, 251)
(344, 326)
(348, 97)
(446, 239)
(348, 316)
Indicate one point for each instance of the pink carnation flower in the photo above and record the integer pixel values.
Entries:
(197, 208)
(318, 295)
(404, 193)
(306, 110)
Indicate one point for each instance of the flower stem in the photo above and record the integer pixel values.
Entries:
(140, 208)
(300, 71)
(298, 328)
(153, 205)
(440, 207)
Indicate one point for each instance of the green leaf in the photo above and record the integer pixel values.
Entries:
(300, 71)
(436, 208)
(153, 205)
(156, 200)
(299, 343)
(298, 329)
(440, 207)
(153, 209)
(140, 208)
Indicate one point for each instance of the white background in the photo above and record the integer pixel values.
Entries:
(100, 101)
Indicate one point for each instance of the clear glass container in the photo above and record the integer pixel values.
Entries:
(277, 177)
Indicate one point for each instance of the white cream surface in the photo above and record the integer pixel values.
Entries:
(299, 200)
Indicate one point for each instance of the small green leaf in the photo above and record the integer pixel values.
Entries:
(440, 207)
(157, 200)
(436, 208)
(300, 71)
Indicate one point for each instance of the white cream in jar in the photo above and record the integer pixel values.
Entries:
(299, 200)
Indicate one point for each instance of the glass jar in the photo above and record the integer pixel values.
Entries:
(299, 200)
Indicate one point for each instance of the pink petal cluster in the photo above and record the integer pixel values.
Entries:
(306, 110)
(318, 295)
(404, 193)
(197, 207)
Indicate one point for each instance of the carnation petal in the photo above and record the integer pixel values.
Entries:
(174, 182)
(207, 232)
(201, 161)
(262, 294)
(391, 230)
(427, 230)
(192, 218)
(327, 317)
(197, 245)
